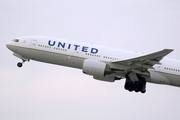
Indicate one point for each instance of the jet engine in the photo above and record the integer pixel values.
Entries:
(96, 68)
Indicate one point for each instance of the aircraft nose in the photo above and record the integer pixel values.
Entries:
(10, 46)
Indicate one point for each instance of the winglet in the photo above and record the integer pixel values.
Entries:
(168, 50)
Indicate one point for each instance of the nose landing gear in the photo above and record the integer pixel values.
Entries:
(20, 64)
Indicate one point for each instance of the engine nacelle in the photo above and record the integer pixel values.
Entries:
(95, 68)
(107, 78)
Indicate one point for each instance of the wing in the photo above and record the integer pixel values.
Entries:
(142, 63)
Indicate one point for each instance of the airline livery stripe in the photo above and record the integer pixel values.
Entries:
(47, 51)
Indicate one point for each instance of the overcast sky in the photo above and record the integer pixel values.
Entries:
(40, 91)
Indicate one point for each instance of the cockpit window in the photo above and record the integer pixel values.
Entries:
(16, 40)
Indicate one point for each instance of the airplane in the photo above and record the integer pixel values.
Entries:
(103, 63)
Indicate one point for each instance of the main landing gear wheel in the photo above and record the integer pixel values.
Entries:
(137, 86)
(143, 91)
(19, 64)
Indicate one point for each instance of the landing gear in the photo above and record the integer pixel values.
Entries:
(143, 91)
(20, 64)
(137, 86)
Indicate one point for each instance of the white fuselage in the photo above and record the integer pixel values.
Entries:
(72, 54)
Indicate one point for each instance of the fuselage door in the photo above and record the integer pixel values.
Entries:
(33, 43)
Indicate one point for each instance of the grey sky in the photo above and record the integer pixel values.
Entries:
(44, 91)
